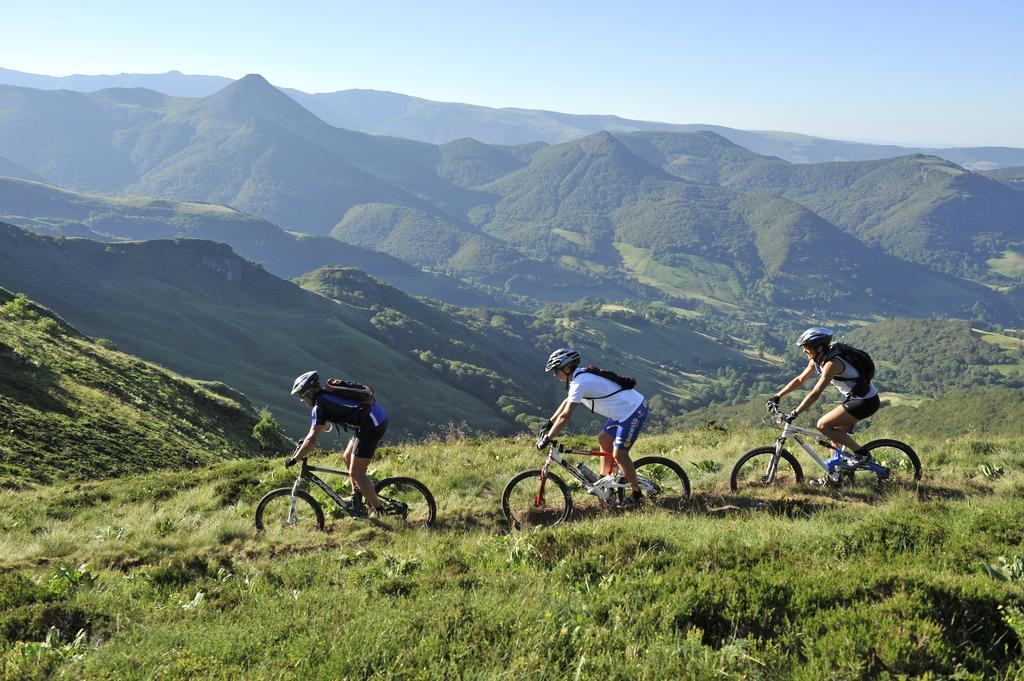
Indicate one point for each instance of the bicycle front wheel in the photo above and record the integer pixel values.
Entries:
(408, 500)
(663, 481)
(529, 502)
(751, 471)
(280, 511)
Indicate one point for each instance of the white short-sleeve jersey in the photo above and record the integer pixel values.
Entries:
(591, 390)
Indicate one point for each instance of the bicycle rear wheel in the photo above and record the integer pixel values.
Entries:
(663, 481)
(527, 502)
(280, 511)
(407, 499)
(898, 461)
(751, 472)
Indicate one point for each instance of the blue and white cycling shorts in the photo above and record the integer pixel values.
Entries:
(627, 430)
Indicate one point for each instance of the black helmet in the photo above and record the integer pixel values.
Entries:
(305, 382)
(562, 357)
(814, 336)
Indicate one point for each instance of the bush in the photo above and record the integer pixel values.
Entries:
(268, 434)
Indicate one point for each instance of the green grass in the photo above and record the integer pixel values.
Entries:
(701, 281)
(1009, 264)
(808, 584)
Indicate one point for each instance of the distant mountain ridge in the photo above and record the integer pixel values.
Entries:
(389, 113)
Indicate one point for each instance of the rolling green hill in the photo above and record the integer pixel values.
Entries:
(51, 210)
(918, 208)
(500, 354)
(585, 199)
(76, 408)
(197, 308)
(465, 251)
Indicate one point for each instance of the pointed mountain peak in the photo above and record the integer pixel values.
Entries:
(252, 96)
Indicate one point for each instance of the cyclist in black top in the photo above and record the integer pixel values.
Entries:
(369, 421)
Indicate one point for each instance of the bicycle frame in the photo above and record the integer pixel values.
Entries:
(602, 488)
(794, 432)
(306, 475)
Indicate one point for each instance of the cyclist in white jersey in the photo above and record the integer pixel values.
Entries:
(625, 408)
(836, 424)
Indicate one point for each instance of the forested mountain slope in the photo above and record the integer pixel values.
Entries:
(60, 212)
(919, 208)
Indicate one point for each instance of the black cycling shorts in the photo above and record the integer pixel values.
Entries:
(861, 407)
(367, 439)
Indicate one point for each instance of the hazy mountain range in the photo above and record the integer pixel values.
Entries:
(389, 113)
(687, 216)
(684, 256)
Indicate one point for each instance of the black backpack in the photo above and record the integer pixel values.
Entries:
(860, 360)
(624, 382)
(357, 392)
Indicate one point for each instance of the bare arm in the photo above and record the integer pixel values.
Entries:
(828, 371)
(560, 419)
(798, 381)
(308, 442)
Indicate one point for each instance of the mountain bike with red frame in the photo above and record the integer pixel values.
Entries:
(540, 498)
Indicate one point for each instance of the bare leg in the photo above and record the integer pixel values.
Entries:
(607, 442)
(349, 448)
(357, 469)
(626, 464)
(835, 424)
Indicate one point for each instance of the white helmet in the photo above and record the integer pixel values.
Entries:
(305, 382)
(562, 357)
(816, 335)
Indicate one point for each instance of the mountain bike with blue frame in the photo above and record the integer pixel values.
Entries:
(889, 462)
(539, 498)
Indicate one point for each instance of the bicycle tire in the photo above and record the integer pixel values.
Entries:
(408, 499)
(899, 457)
(518, 501)
(276, 516)
(666, 493)
(747, 476)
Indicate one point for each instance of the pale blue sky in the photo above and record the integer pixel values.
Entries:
(904, 71)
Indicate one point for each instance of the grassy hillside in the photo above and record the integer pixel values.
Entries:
(499, 355)
(444, 244)
(812, 584)
(198, 308)
(72, 407)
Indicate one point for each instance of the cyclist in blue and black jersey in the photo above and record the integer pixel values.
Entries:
(625, 408)
(368, 420)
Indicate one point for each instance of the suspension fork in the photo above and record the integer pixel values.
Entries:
(773, 462)
(539, 499)
(296, 486)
